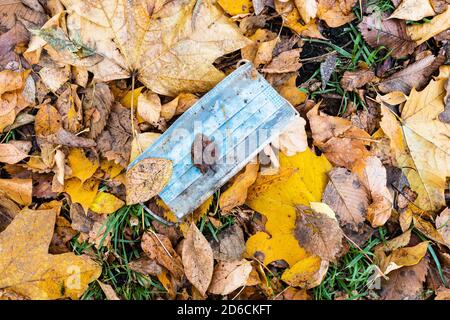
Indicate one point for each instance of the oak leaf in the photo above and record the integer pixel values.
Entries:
(29, 270)
(198, 261)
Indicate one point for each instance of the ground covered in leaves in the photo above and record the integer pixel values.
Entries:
(354, 206)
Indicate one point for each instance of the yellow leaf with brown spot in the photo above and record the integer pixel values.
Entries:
(234, 7)
(301, 180)
(111, 168)
(307, 273)
(28, 269)
(81, 192)
(83, 167)
(106, 203)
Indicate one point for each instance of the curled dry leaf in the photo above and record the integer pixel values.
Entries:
(236, 194)
(229, 276)
(29, 270)
(108, 291)
(147, 178)
(287, 61)
(14, 151)
(198, 261)
(401, 257)
(352, 80)
(422, 32)
(158, 247)
(307, 9)
(347, 197)
(318, 231)
(141, 142)
(149, 107)
(413, 10)
(336, 12)
(380, 31)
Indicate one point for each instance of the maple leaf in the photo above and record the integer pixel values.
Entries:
(29, 270)
(420, 143)
(158, 42)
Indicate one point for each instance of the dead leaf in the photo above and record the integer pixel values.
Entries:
(108, 291)
(29, 270)
(443, 225)
(347, 197)
(414, 10)
(327, 68)
(235, 7)
(287, 61)
(106, 203)
(307, 9)
(80, 192)
(442, 293)
(428, 229)
(97, 103)
(422, 32)
(83, 164)
(147, 178)
(391, 33)
(352, 80)
(293, 139)
(182, 24)
(70, 108)
(146, 266)
(229, 276)
(307, 273)
(236, 194)
(149, 107)
(231, 244)
(336, 12)
(14, 151)
(402, 257)
(19, 190)
(158, 247)
(318, 231)
(416, 75)
(198, 261)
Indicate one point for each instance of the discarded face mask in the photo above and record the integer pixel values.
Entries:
(218, 136)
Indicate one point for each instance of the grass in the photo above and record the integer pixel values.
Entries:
(350, 276)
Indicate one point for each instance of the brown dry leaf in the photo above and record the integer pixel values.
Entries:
(228, 276)
(260, 37)
(428, 229)
(231, 244)
(405, 283)
(372, 174)
(391, 33)
(97, 103)
(236, 194)
(422, 32)
(443, 225)
(352, 80)
(170, 31)
(287, 61)
(19, 190)
(147, 178)
(293, 139)
(347, 197)
(8, 210)
(289, 90)
(307, 9)
(149, 107)
(108, 291)
(146, 266)
(158, 247)
(416, 75)
(29, 270)
(442, 293)
(402, 257)
(114, 143)
(343, 144)
(198, 261)
(14, 151)
(420, 143)
(414, 10)
(70, 108)
(336, 12)
(141, 142)
(318, 231)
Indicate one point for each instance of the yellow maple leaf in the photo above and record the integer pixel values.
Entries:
(301, 180)
(156, 41)
(420, 143)
(28, 269)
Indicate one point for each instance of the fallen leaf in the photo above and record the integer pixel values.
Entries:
(97, 104)
(287, 61)
(198, 261)
(83, 164)
(81, 192)
(416, 75)
(405, 283)
(404, 257)
(230, 245)
(343, 144)
(183, 24)
(70, 108)
(336, 12)
(317, 230)
(147, 178)
(307, 273)
(106, 203)
(108, 291)
(158, 247)
(146, 266)
(422, 32)
(327, 68)
(442, 293)
(19, 190)
(414, 10)
(428, 229)
(347, 197)
(14, 151)
(443, 225)
(149, 107)
(29, 270)
(307, 9)
(236, 194)
(301, 179)
(352, 80)
(293, 139)
(420, 145)
(391, 33)
(229, 276)
(234, 7)
(291, 92)
(141, 142)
